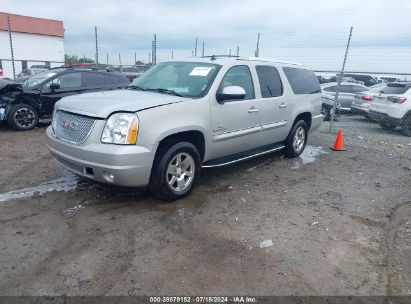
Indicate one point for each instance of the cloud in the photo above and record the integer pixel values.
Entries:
(293, 28)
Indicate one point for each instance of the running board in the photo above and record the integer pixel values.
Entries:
(231, 159)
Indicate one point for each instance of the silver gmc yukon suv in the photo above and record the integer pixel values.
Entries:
(181, 116)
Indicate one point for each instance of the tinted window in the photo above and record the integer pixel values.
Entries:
(66, 81)
(94, 79)
(358, 89)
(395, 88)
(302, 81)
(239, 76)
(270, 81)
(346, 89)
(330, 89)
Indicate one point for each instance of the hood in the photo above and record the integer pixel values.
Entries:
(8, 85)
(102, 104)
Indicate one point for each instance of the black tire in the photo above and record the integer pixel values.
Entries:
(406, 125)
(386, 126)
(159, 180)
(290, 149)
(22, 117)
(326, 111)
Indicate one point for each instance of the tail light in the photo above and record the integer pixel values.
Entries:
(367, 98)
(395, 99)
(1, 72)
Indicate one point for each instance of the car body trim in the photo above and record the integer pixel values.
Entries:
(273, 125)
(237, 133)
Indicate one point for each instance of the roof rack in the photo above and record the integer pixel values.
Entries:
(214, 57)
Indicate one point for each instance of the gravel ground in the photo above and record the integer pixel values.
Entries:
(335, 223)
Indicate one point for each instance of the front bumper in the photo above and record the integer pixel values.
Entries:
(119, 165)
(384, 118)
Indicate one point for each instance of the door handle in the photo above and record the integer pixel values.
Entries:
(253, 110)
(283, 105)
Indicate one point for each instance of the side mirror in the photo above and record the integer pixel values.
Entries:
(54, 86)
(231, 93)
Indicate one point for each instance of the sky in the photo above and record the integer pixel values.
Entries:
(314, 33)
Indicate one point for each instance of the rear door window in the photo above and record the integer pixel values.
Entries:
(359, 89)
(330, 89)
(270, 81)
(394, 88)
(302, 81)
(91, 79)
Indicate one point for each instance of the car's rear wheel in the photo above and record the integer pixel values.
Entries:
(22, 117)
(326, 111)
(386, 125)
(406, 125)
(175, 171)
(297, 139)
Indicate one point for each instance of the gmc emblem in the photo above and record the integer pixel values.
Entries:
(70, 125)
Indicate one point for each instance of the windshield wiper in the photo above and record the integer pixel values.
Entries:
(167, 91)
(136, 87)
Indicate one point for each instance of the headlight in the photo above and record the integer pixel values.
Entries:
(121, 128)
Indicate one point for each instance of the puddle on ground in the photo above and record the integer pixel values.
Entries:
(309, 155)
(65, 183)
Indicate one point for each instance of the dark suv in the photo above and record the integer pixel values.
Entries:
(24, 104)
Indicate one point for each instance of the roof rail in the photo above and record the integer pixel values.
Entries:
(214, 57)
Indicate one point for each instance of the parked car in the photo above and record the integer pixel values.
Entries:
(180, 116)
(28, 73)
(366, 80)
(24, 104)
(362, 101)
(391, 107)
(346, 94)
(327, 105)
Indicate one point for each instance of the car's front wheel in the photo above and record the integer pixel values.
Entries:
(297, 139)
(22, 117)
(175, 171)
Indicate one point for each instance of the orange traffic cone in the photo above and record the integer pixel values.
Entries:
(339, 146)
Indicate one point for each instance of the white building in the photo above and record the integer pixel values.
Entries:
(36, 41)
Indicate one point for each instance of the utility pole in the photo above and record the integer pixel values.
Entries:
(149, 58)
(107, 58)
(257, 50)
(238, 50)
(195, 48)
(202, 52)
(229, 53)
(172, 54)
(135, 58)
(154, 50)
(95, 32)
(339, 82)
(11, 47)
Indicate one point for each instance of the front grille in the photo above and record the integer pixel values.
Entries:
(72, 127)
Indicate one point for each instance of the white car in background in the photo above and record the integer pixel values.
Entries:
(391, 107)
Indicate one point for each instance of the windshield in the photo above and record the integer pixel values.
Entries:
(188, 79)
(40, 77)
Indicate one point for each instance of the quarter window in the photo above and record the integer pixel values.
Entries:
(239, 76)
(302, 81)
(270, 81)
